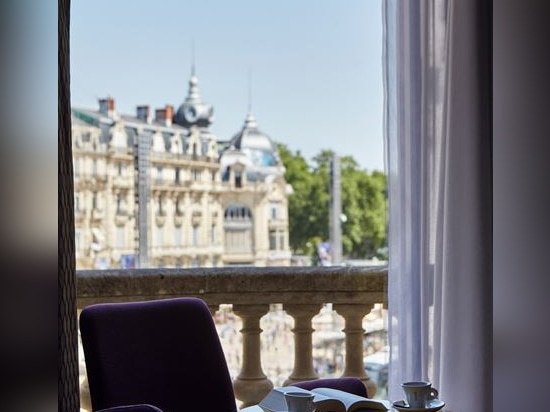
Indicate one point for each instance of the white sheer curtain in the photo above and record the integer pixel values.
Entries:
(438, 153)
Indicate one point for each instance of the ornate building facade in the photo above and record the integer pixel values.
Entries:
(163, 191)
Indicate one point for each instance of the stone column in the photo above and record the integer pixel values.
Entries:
(353, 315)
(85, 400)
(252, 385)
(303, 354)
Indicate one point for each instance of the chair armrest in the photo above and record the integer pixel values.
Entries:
(132, 408)
(346, 384)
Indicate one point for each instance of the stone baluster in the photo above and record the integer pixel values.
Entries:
(353, 315)
(213, 309)
(252, 385)
(303, 354)
(85, 400)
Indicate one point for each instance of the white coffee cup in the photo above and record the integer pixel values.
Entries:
(419, 393)
(299, 402)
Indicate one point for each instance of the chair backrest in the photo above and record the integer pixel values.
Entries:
(163, 352)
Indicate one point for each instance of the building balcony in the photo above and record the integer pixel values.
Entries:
(160, 218)
(279, 255)
(121, 152)
(238, 255)
(162, 184)
(182, 183)
(123, 182)
(97, 214)
(251, 293)
(122, 217)
(79, 215)
(91, 177)
(185, 251)
(277, 223)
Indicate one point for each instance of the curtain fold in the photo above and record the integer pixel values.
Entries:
(437, 57)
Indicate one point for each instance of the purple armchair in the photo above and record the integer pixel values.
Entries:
(155, 356)
(132, 408)
(161, 356)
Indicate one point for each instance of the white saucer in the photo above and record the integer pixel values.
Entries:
(433, 405)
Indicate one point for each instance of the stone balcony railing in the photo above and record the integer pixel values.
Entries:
(301, 291)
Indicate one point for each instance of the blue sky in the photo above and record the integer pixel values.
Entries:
(315, 67)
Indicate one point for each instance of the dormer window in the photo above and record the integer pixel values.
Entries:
(238, 179)
(175, 146)
(158, 142)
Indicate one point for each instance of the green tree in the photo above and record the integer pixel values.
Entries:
(306, 222)
(363, 204)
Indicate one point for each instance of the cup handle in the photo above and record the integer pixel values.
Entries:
(434, 393)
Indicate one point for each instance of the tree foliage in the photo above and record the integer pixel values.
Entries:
(363, 204)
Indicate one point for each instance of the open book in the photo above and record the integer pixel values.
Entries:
(325, 400)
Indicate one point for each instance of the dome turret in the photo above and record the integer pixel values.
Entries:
(193, 112)
(260, 152)
(259, 147)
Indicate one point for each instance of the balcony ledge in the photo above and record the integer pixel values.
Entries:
(352, 285)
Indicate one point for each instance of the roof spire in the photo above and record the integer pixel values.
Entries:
(193, 95)
(193, 111)
(192, 57)
(249, 90)
(250, 121)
